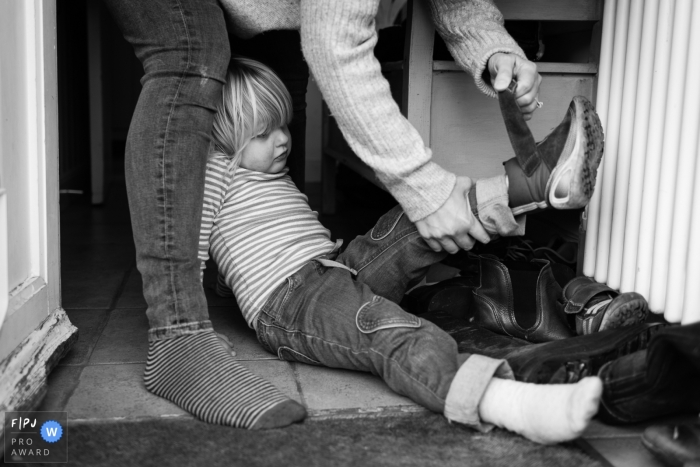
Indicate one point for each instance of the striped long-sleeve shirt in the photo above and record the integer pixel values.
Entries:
(259, 229)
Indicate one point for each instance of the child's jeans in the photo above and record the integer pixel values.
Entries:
(327, 316)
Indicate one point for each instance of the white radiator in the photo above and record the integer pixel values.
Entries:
(643, 223)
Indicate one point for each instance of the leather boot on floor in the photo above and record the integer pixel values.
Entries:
(674, 445)
(520, 300)
(597, 307)
(559, 171)
(663, 380)
(562, 361)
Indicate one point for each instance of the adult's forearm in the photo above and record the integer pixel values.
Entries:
(338, 39)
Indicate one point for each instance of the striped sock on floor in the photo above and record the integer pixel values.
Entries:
(197, 373)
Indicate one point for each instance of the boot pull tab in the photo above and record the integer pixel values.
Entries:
(519, 133)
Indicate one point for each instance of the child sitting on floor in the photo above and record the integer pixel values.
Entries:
(310, 303)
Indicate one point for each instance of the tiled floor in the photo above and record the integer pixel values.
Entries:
(101, 378)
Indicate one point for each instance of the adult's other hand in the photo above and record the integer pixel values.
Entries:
(453, 226)
(504, 67)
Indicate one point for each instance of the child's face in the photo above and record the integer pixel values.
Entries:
(268, 153)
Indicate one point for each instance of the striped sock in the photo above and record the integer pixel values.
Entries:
(197, 373)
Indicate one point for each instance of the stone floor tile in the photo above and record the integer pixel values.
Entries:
(114, 211)
(79, 291)
(331, 389)
(90, 324)
(624, 452)
(598, 429)
(92, 277)
(109, 391)
(229, 322)
(278, 373)
(124, 339)
(61, 383)
(132, 294)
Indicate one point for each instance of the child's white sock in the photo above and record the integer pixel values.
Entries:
(545, 413)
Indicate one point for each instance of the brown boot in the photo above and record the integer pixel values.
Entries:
(520, 300)
(559, 171)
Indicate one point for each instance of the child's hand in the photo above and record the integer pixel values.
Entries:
(453, 226)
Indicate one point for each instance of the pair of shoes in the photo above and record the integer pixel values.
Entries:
(559, 171)
(675, 445)
(524, 300)
(597, 307)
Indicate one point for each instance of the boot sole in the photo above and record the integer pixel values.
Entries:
(569, 360)
(581, 163)
(633, 309)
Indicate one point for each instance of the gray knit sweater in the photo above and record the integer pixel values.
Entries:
(338, 37)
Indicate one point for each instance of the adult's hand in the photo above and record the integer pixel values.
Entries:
(504, 67)
(453, 226)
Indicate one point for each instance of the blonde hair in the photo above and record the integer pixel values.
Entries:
(254, 102)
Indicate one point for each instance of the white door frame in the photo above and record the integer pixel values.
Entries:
(34, 328)
(32, 30)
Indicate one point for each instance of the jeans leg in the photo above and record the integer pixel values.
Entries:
(281, 51)
(391, 257)
(323, 316)
(183, 46)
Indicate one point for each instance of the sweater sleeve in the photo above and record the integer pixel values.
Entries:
(215, 185)
(338, 39)
(473, 31)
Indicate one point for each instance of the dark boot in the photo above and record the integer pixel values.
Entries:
(557, 362)
(597, 307)
(675, 445)
(559, 171)
(520, 300)
(569, 360)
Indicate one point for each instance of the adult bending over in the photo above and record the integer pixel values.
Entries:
(184, 49)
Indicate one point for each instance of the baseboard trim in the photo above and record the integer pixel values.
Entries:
(24, 371)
